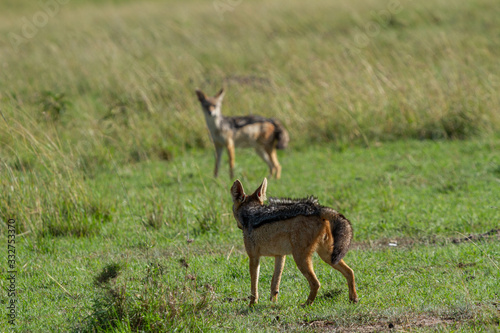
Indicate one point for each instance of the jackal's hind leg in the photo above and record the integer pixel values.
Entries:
(325, 253)
(276, 164)
(348, 273)
(279, 263)
(262, 152)
(304, 263)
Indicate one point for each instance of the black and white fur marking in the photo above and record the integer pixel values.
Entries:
(279, 209)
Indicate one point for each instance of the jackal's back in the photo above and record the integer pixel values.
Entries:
(278, 133)
(278, 209)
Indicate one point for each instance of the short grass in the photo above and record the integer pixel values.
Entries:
(106, 163)
(171, 256)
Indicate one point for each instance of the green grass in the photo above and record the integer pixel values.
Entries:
(106, 162)
(409, 194)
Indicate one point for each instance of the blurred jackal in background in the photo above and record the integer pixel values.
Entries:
(264, 134)
(291, 226)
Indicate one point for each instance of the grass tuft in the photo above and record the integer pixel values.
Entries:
(153, 306)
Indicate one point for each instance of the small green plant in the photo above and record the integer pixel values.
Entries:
(208, 221)
(155, 218)
(54, 104)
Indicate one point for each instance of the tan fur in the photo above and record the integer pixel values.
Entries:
(259, 135)
(300, 236)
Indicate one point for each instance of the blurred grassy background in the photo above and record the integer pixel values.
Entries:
(105, 78)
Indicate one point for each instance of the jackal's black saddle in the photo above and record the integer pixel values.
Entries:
(279, 209)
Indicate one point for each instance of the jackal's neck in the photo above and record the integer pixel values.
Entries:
(215, 121)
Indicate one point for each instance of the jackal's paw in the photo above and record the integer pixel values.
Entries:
(354, 299)
(274, 297)
(307, 303)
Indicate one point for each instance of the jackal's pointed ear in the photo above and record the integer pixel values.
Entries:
(261, 191)
(237, 191)
(201, 95)
(220, 95)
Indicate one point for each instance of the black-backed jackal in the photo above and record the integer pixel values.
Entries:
(264, 134)
(291, 226)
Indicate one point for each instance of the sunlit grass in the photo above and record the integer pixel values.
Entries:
(106, 161)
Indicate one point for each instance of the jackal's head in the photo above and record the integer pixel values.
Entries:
(210, 105)
(241, 201)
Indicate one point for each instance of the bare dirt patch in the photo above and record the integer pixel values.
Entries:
(401, 242)
(385, 325)
(492, 234)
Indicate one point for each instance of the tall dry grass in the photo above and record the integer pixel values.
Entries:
(102, 82)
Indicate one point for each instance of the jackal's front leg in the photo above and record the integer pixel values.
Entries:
(218, 156)
(254, 278)
(230, 152)
(279, 263)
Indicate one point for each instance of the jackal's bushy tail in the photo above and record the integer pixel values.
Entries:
(281, 135)
(341, 231)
